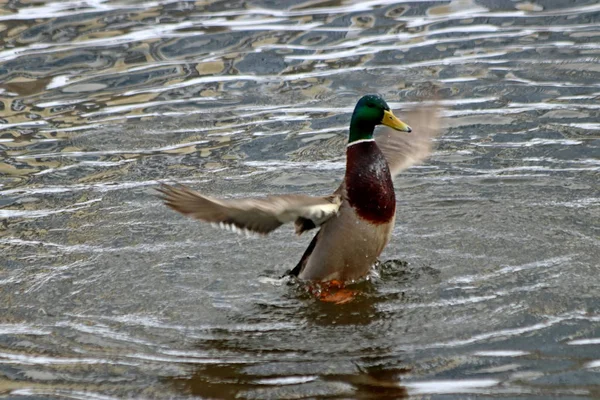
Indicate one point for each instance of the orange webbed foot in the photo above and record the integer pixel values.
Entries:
(341, 296)
(333, 292)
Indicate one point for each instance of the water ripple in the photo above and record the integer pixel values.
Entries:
(107, 294)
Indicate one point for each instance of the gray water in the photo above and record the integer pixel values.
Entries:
(489, 287)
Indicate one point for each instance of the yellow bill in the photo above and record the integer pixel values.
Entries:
(389, 119)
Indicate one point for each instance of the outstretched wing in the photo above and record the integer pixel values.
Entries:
(403, 150)
(260, 215)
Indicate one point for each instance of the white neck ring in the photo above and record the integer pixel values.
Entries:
(359, 141)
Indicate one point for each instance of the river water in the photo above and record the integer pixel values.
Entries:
(489, 287)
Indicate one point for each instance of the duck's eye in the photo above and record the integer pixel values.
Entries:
(370, 105)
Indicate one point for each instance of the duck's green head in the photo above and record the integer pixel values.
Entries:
(372, 110)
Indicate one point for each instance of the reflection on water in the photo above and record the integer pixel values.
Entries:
(104, 293)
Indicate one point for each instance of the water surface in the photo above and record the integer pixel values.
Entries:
(105, 293)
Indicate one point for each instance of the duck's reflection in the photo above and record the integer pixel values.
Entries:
(359, 309)
(359, 304)
(228, 381)
(283, 363)
(375, 382)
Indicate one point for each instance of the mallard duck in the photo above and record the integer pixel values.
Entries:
(356, 221)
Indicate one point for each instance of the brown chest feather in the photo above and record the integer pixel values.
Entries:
(369, 184)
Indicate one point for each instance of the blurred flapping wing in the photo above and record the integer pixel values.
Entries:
(403, 150)
(259, 215)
